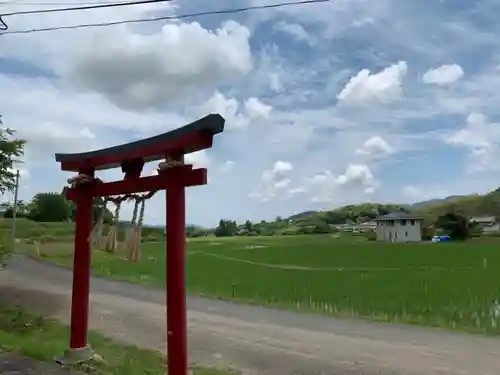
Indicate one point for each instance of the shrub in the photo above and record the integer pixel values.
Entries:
(45, 238)
(291, 231)
(5, 249)
(150, 238)
(491, 234)
(371, 236)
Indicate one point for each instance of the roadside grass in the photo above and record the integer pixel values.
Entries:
(54, 232)
(42, 339)
(453, 286)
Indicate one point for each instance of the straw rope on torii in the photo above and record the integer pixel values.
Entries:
(133, 237)
(110, 242)
(133, 244)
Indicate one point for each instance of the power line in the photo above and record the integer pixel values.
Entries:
(4, 26)
(84, 7)
(21, 2)
(155, 19)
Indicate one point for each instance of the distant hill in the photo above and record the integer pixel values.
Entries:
(469, 205)
(431, 202)
(354, 212)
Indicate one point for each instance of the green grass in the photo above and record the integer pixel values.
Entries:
(30, 229)
(443, 285)
(61, 231)
(42, 339)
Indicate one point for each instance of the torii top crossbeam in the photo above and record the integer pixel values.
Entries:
(190, 138)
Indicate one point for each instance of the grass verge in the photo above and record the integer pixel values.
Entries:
(41, 339)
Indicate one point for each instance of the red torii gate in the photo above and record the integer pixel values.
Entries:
(173, 176)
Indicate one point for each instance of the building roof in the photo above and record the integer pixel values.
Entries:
(482, 219)
(400, 215)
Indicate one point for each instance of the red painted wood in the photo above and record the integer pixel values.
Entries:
(81, 268)
(132, 168)
(177, 349)
(187, 176)
(155, 151)
(194, 137)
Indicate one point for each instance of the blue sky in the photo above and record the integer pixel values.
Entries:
(327, 104)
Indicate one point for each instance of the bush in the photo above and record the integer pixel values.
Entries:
(150, 238)
(46, 238)
(291, 231)
(5, 249)
(9, 214)
(371, 236)
(489, 234)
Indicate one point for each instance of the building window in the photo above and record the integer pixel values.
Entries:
(403, 222)
(412, 221)
(390, 223)
(406, 234)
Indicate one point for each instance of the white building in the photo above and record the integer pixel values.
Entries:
(399, 227)
(488, 224)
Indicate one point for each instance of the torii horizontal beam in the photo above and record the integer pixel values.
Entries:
(190, 177)
(187, 139)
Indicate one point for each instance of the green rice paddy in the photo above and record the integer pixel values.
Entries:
(454, 286)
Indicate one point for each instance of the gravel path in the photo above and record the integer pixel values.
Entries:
(254, 339)
(11, 364)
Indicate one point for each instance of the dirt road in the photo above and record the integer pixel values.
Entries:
(253, 339)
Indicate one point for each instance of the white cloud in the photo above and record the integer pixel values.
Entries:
(356, 175)
(422, 193)
(273, 181)
(375, 147)
(384, 86)
(293, 29)
(137, 71)
(236, 114)
(357, 178)
(275, 82)
(481, 138)
(228, 166)
(255, 108)
(198, 159)
(443, 75)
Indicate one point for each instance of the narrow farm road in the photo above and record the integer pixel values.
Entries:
(253, 339)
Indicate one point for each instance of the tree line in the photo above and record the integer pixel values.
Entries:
(52, 207)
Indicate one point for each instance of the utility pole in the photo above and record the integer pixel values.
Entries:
(14, 211)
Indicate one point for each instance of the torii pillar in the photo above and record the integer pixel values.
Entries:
(173, 176)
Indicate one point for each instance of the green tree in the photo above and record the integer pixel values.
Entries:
(8, 208)
(49, 207)
(11, 149)
(195, 231)
(455, 224)
(98, 204)
(226, 228)
(248, 226)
